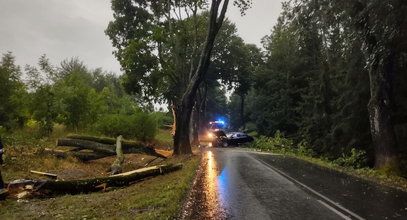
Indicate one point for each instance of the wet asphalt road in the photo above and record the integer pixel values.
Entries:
(234, 183)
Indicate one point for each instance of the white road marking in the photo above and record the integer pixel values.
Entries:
(333, 204)
(334, 210)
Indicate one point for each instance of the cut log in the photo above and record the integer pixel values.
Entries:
(45, 187)
(117, 164)
(89, 143)
(82, 156)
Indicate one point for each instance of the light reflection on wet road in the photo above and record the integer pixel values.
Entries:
(205, 201)
(236, 184)
(212, 198)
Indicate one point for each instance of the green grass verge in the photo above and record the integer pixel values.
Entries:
(164, 136)
(155, 198)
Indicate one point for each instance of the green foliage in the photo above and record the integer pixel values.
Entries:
(163, 118)
(356, 159)
(139, 125)
(43, 101)
(303, 149)
(45, 111)
(278, 143)
(145, 126)
(314, 85)
(13, 94)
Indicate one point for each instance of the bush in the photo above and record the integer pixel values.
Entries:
(145, 126)
(304, 149)
(357, 159)
(139, 125)
(276, 143)
(163, 118)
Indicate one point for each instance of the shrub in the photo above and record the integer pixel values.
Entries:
(145, 126)
(276, 143)
(356, 159)
(163, 118)
(304, 149)
(139, 125)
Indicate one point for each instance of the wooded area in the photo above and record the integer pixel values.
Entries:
(330, 78)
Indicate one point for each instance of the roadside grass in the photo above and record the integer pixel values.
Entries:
(159, 197)
(163, 139)
(281, 145)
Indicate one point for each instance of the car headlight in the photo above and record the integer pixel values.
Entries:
(210, 135)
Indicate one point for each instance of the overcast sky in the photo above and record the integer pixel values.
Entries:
(75, 28)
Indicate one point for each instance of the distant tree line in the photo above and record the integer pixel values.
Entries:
(83, 100)
(334, 75)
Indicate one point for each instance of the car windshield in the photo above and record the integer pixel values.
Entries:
(216, 126)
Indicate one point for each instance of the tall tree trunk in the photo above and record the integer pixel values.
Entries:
(202, 108)
(181, 137)
(195, 126)
(242, 112)
(382, 38)
(184, 109)
(381, 115)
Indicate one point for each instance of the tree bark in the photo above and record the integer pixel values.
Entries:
(381, 114)
(195, 126)
(116, 167)
(42, 187)
(107, 140)
(184, 109)
(97, 147)
(242, 112)
(108, 149)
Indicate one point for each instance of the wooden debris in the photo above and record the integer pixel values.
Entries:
(3, 194)
(51, 175)
(149, 162)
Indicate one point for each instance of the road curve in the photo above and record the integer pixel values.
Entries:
(234, 183)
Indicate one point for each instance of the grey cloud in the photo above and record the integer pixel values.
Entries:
(75, 28)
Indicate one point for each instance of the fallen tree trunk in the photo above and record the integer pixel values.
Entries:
(97, 147)
(107, 140)
(82, 156)
(44, 187)
(105, 145)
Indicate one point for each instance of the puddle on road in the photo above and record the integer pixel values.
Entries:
(207, 199)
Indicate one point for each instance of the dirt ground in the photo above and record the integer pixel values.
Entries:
(19, 166)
